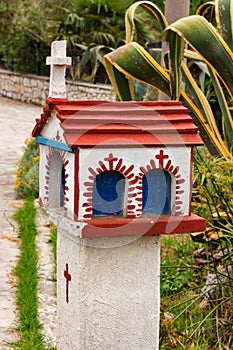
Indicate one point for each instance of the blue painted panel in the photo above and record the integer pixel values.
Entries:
(156, 187)
(62, 192)
(108, 193)
(54, 144)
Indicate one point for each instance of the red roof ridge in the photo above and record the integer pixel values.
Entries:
(132, 120)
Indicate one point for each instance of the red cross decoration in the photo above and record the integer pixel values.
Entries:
(68, 279)
(161, 156)
(111, 160)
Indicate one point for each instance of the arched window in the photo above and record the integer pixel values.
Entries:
(156, 195)
(108, 193)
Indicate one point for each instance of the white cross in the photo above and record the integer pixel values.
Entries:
(58, 62)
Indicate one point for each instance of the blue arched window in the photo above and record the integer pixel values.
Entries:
(156, 192)
(108, 193)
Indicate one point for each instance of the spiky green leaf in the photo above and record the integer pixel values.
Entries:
(211, 46)
(227, 117)
(151, 8)
(135, 62)
(176, 52)
(118, 80)
(224, 18)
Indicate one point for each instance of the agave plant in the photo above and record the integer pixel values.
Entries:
(206, 44)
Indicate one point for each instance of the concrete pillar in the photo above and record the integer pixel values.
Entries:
(108, 291)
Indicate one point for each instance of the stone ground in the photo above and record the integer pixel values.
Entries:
(16, 123)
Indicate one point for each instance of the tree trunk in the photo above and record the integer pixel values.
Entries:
(175, 10)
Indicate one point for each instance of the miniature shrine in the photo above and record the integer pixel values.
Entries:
(117, 176)
(107, 163)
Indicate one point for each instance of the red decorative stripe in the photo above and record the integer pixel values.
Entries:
(87, 194)
(87, 216)
(92, 171)
(122, 169)
(103, 167)
(131, 195)
(88, 184)
(171, 168)
(119, 164)
(179, 192)
(152, 163)
(129, 170)
(89, 209)
(133, 182)
(85, 205)
(130, 176)
(143, 170)
(180, 181)
(131, 189)
(176, 170)
(168, 164)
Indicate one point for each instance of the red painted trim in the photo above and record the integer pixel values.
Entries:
(131, 140)
(147, 225)
(41, 122)
(76, 184)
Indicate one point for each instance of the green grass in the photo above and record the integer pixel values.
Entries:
(29, 327)
(187, 322)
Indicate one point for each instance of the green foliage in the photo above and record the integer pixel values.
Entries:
(27, 175)
(26, 31)
(213, 188)
(190, 320)
(180, 285)
(27, 28)
(176, 264)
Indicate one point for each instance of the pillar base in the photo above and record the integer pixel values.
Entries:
(108, 292)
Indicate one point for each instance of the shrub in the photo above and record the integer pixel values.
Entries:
(27, 175)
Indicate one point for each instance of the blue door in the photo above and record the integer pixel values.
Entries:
(156, 195)
(108, 193)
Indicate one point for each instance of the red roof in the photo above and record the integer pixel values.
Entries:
(90, 123)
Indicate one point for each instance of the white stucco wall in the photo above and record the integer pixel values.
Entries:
(139, 157)
(113, 293)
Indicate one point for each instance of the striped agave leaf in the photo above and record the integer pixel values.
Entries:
(131, 61)
(205, 39)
